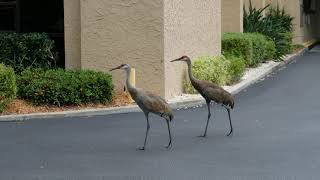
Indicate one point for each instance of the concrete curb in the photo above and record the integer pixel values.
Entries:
(196, 100)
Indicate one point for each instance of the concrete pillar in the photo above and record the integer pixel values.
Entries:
(193, 28)
(232, 15)
(72, 30)
(144, 33)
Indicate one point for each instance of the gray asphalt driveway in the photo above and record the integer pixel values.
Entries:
(276, 136)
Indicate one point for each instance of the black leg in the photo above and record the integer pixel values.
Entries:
(231, 128)
(169, 145)
(148, 127)
(209, 115)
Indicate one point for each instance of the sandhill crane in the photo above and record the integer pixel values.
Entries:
(210, 92)
(149, 103)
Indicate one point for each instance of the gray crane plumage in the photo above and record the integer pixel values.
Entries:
(148, 103)
(210, 92)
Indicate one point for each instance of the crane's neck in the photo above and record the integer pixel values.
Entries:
(128, 83)
(192, 79)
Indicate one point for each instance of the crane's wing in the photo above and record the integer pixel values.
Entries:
(217, 93)
(153, 103)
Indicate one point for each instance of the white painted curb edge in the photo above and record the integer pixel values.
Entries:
(134, 108)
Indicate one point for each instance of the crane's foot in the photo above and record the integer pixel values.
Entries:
(203, 136)
(230, 133)
(141, 148)
(169, 145)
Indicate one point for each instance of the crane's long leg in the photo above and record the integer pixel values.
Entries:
(170, 143)
(148, 127)
(231, 128)
(209, 115)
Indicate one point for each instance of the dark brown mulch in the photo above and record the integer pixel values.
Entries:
(19, 106)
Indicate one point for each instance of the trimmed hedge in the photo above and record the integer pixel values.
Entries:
(213, 69)
(284, 44)
(8, 88)
(236, 69)
(270, 50)
(65, 87)
(238, 45)
(30, 50)
(254, 48)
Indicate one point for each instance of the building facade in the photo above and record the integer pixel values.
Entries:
(100, 34)
(306, 24)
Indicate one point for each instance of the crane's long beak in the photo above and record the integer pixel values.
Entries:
(115, 68)
(176, 60)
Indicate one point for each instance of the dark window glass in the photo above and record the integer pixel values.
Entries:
(7, 15)
(7, 19)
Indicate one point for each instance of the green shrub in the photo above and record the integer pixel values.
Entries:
(236, 69)
(277, 25)
(254, 48)
(270, 50)
(239, 45)
(212, 69)
(252, 18)
(284, 44)
(8, 88)
(31, 50)
(259, 44)
(60, 87)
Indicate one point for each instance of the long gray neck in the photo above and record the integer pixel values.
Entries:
(128, 83)
(192, 79)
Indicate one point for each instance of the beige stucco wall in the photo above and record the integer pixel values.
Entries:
(193, 28)
(232, 15)
(115, 32)
(72, 30)
(255, 3)
(147, 34)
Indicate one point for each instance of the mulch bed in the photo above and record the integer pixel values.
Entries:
(19, 106)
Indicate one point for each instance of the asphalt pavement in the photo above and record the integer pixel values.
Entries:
(276, 136)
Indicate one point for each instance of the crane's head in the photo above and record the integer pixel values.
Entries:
(122, 66)
(183, 58)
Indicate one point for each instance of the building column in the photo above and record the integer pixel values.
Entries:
(146, 34)
(72, 31)
(232, 15)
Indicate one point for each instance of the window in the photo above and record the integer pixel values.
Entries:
(9, 15)
(25, 16)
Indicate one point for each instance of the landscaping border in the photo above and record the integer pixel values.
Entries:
(176, 103)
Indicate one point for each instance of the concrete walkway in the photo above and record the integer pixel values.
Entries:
(276, 123)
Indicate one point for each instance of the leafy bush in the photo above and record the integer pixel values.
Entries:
(277, 25)
(284, 44)
(31, 50)
(8, 88)
(212, 69)
(252, 18)
(60, 87)
(239, 45)
(236, 69)
(279, 18)
(270, 48)
(259, 45)
(252, 47)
